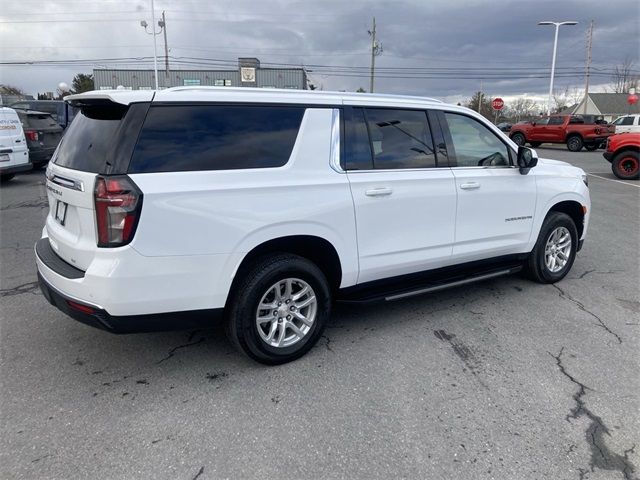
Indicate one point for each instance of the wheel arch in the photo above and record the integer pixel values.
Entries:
(316, 249)
(572, 208)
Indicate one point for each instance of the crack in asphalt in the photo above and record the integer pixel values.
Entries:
(200, 472)
(581, 306)
(601, 456)
(173, 351)
(327, 343)
(39, 203)
(31, 287)
(601, 272)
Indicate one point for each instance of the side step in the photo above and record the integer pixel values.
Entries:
(419, 285)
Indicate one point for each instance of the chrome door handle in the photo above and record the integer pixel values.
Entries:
(378, 192)
(470, 186)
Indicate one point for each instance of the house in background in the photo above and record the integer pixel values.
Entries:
(609, 105)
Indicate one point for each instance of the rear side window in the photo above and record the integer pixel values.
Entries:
(90, 139)
(400, 138)
(357, 146)
(181, 138)
(626, 121)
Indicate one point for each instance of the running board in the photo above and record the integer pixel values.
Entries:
(420, 285)
(458, 283)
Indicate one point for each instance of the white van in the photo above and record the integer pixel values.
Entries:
(627, 123)
(14, 154)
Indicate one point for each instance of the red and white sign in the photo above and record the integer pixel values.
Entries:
(497, 103)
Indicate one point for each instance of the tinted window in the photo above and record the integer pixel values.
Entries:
(89, 139)
(542, 121)
(626, 121)
(37, 120)
(400, 138)
(357, 147)
(215, 137)
(556, 121)
(474, 144)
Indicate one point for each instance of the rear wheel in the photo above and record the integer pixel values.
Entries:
(7, 177)
(518, 138)
(575, 143)
(535, 144)
(279, 309)
(626, 165)
(554, 252)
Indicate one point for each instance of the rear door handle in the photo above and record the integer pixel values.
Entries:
(470, 186)
(378, 192)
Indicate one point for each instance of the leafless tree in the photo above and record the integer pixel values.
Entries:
(521, 108)
(625, 77)
(10, 90)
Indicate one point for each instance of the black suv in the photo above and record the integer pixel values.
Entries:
(43, 134)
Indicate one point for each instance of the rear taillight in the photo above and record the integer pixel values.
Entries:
(31, 135)
(118, 203)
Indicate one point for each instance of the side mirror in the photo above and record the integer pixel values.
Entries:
(533, 124)
(527, 159)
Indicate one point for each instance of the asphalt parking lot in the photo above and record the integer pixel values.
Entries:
(505, 379)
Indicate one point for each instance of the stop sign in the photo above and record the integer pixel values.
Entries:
(497, 103)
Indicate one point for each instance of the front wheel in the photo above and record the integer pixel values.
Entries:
(554, 252)
(279, 309)
(626, 165)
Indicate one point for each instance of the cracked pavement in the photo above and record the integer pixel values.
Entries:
(505, 379)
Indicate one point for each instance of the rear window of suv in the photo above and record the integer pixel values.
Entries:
(88, 142)
(215, 137)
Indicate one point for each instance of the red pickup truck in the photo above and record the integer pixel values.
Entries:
(569, 129)
(623, 151)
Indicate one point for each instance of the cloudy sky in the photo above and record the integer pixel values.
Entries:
(439, 48)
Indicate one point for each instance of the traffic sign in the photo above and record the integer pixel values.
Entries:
(497, 103)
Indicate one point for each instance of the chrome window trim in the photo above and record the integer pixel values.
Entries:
(65, 182)
(334, 152)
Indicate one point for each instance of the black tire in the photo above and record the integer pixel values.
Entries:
(535, 144)
(248, 293)
(591, 147)
(518, 138)
(7, 177)
(574, 143)
(626, 165)
(536, 267)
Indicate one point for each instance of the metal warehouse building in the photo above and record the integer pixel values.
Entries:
(248, 74)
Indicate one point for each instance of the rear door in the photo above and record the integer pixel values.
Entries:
(403, 191)
(99, 138)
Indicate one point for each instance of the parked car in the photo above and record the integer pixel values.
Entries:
(43, 134)
(569, 129)
(14, 155)
(61, 111)
(169, 209)
(627, 123)
(623, 153)
(504, 126)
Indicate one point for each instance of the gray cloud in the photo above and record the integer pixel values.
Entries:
(469, 36)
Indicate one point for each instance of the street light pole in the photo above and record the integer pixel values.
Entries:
(155, 47)
(553, 61)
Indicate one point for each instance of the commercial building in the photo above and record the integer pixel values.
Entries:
(248, 74)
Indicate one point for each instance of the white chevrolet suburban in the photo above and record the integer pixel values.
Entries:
(169, 209)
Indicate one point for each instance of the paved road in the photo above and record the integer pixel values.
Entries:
(506, 379)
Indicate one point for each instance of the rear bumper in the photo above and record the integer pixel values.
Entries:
(40, 155)
(97, 317)
(25, 167)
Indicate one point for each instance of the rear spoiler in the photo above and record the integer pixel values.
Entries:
(102, 97)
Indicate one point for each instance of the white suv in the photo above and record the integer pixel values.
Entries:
(171, 208)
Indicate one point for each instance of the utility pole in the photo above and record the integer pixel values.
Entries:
(376, 49)
(163, 24)
(480, 99)
(155, 51)
(586, 81)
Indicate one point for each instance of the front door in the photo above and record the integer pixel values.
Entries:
(495, 203)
